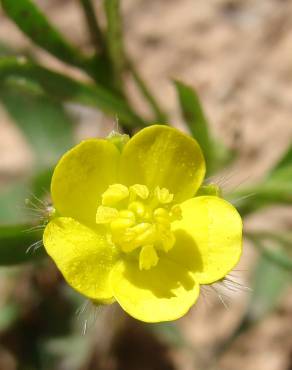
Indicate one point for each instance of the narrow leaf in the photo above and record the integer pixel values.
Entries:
(33, 22)
(268, 284)
(15, 242)
(44, 122)
(285, 161)
(68, 89)
(197, 122)
(275, 188)
(267, 193)
(12, 206)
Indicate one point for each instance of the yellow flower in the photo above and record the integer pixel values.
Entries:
(131, 229)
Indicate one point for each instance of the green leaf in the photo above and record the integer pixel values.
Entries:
(17, 231)
(268, 284)
(285, 161)
(44, 122)
(168, 332)
(40, 183)
(276, 254)
(32, 21)
(194, 116)
(282, 171)
(215, 154)
(275, 188)
(15, 241)
(67, 89)
(267, 193)
(9, 314)
(12, 207)
(71, 350)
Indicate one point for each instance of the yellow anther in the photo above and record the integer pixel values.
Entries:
(126, 241)
(138, 208)
(127, 214)
(148, 215)
(161, 216)
(148, 236)
(160, 212)
(105, 215)
(121, 224)
(148, 257)
(175, 213)
(114, 194)
(162, 221)
(168, 240)
(163, 195)
(140, 220)
(141, 228)
(140, 190)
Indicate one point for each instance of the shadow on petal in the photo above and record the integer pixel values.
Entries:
(186, 252)
(165, 280)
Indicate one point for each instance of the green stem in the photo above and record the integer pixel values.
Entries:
(93, 26)
(160, 116)
(121, 61)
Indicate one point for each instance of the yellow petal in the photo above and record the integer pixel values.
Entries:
(165, 157)
(81, 176)
(212, 229)
(163, 293)
(84, 257)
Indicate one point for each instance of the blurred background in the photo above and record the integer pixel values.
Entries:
(118, 70)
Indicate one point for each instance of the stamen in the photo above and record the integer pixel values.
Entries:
(105, 215)
(148, 257)
(138, 208)
(142, 221)
(140, 190)
(114, 194)
(175, 213)
(163, 195)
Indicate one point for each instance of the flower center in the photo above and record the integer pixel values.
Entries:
(139, 220)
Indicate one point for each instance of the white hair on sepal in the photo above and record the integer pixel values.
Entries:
(87, 314)
(222, 179)
(34, 246)
(236, 201)
(225, 288)
(209, 290)
(228, 182)
(117, 127)
(39, 210)
(230, 192)
(230, 282)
